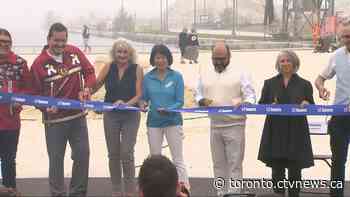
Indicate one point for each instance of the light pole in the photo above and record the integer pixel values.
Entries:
(234, 14)
(194, 13)
(161, 15)
(166, 15)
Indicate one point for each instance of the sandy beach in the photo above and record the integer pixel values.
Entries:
(32, 160)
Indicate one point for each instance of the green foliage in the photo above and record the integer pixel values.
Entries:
(124, 22)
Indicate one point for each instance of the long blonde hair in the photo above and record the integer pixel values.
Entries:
(122, 43)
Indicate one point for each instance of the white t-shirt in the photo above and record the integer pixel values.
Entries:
(329, 71)
(57, 58)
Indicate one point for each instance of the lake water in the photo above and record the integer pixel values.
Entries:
(30, 38)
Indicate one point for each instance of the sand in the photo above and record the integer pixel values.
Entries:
(32, 158)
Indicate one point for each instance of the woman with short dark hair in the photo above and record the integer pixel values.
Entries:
(285, 141)
(163, 88)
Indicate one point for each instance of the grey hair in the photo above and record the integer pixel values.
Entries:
(293, 58)
(122, 43)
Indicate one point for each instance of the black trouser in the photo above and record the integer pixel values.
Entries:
(182, 50)
(279, 174)
(8, 151)
(339, 128)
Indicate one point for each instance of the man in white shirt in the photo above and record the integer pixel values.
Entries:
(339, 126)
(223, 85)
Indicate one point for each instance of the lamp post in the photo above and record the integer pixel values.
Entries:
(166, 15)
(194, 13)
(234, 15)
(161, 15)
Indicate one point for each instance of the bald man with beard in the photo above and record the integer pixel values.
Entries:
(223, 85)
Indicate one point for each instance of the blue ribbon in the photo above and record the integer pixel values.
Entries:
(285, 109)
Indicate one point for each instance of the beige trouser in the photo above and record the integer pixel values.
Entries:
(174, 136)
(227, 149)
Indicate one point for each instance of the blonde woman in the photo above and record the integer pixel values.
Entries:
(122, 78)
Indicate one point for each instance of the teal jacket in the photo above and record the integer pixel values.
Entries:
(168, 94)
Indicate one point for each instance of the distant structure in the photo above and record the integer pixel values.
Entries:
(299, 16)
(189, 12)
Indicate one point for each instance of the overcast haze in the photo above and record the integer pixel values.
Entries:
(26, 13)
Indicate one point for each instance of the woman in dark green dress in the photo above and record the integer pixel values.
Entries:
(285, 141)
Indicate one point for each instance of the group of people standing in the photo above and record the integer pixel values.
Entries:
(189, 46)
(63, 71)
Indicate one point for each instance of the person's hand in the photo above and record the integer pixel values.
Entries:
(17, 105)
(15, 108)
(275, 101)
(181, 190)
(119, 102)
(204, 102)
(304, 103)
(181, 194)
(98, 112)
(236, 102)
(52, 110)
(324, 93)
(143, 106)
(85, 95)
(162, 111)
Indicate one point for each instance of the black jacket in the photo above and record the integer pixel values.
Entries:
(286, 137)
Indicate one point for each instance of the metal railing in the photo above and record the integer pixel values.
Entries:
(95, 49)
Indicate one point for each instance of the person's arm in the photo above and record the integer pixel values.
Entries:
(88, 70)
(328, 73)
(26, 80)
(88, 74)
(264, 99)
(247, 89)
(139, 79)
(197, 41)
(309, 93)
(23, 85)
(101, 78)
(199, 98)
(143, 102)
(36, 82)
(198, 94)
(37, 85)
(179, 94)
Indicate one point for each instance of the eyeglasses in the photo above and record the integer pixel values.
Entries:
(6, 42)
(219, 58)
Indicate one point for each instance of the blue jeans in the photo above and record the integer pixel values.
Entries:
(339, 128)
(8, 151)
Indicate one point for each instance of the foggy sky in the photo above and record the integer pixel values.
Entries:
(26, 13)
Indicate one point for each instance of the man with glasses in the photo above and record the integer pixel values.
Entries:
(339, 126)
(14, 78)
(223, 85)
